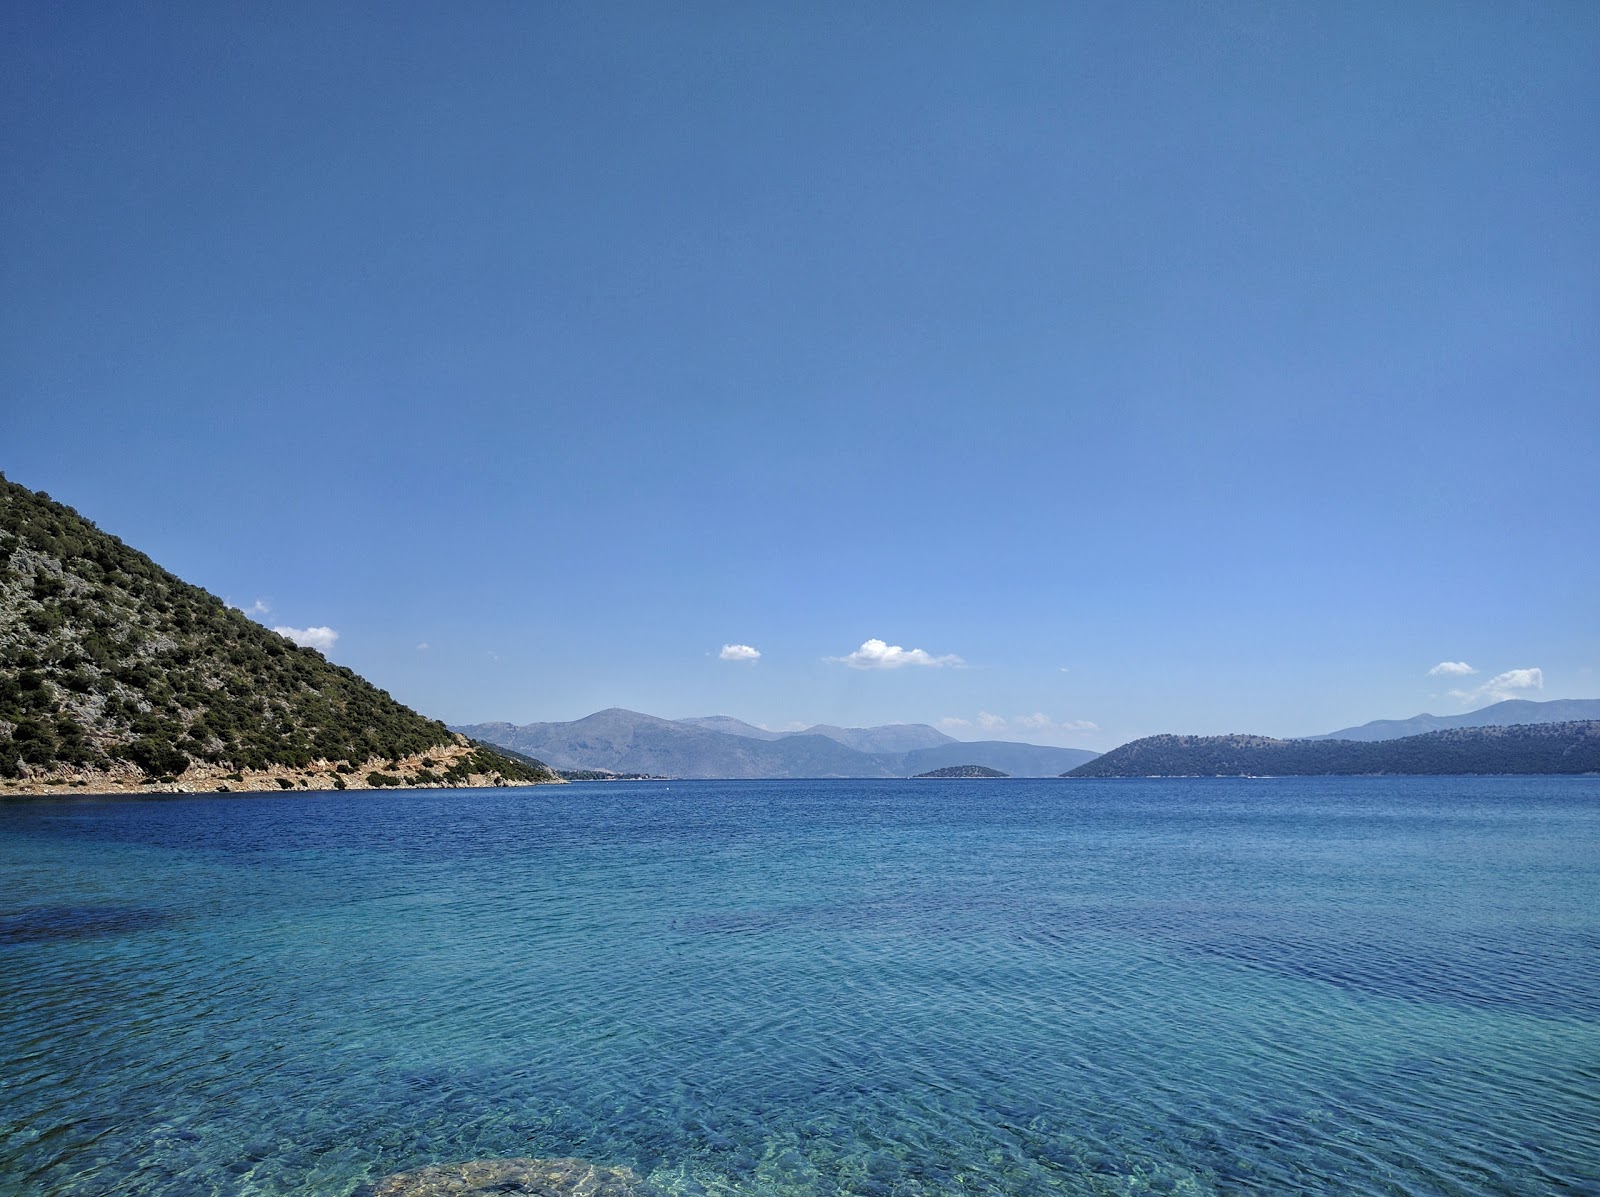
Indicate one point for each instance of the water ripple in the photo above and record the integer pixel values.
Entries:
(806, 990)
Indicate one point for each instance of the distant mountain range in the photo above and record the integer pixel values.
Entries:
(1510, 713)
(891, 737)
(1531, 748)
(622, 741)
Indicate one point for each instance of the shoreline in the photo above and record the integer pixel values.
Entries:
(419, 771)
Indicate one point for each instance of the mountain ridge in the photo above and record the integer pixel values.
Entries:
(1509, 713)
(623, 741)
(887, 737)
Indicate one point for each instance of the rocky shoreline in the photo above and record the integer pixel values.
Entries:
(422, 770)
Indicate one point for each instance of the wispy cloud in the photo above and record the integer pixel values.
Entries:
(1513, 683)
(1035, 724)
(318, 638)
(423, 647)
(259, 607)
(876, 654)
(739, 652)
(1451, 669)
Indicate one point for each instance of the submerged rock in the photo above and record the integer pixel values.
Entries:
(543, 1178)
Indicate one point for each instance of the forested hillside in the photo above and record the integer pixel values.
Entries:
(1533, 748)
(110, 666)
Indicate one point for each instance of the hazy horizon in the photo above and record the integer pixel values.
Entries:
(994, 731)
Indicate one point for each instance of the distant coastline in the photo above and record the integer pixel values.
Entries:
(1530, 749)
(718, 746)
(605, 775)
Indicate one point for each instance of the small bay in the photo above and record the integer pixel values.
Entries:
(786, 989)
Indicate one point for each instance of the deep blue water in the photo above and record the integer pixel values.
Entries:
(894, 989)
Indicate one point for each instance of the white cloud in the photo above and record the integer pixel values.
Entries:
(739, 652)
(1511, 684)
(1081, 726)
(423, 647)
(875, 654)
(319, 638)
(1505, 685)
(954, 721)
(1451, 669)
(259, 607)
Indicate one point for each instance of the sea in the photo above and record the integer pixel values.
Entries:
(899, 988)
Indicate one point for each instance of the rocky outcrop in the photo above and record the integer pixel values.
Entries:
(460, 764)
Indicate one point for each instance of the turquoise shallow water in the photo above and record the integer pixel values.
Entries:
(894, 989)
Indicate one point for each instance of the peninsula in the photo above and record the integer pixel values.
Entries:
(118, 676)
(1571, 747)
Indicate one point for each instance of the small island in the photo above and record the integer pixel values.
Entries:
(962, 771)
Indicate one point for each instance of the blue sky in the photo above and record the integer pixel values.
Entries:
(1210, 367)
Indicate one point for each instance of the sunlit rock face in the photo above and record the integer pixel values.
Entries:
(543, 1178)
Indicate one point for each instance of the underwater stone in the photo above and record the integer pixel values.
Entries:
(543, 1178)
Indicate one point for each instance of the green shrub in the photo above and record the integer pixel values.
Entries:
(154, 756)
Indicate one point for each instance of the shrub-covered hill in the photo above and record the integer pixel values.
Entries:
(965, 771)
(1527, 748)
(112, 668)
